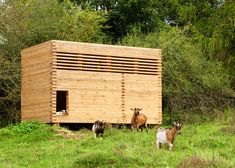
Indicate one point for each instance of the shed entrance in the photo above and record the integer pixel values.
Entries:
(62, 101)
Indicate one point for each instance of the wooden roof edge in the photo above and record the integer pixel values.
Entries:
(105, 45)
(28, 49)
(59, 42)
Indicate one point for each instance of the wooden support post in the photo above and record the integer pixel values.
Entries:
(56, 124)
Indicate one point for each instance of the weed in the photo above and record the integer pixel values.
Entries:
(27, 127)
(229, 129)
(199, 162)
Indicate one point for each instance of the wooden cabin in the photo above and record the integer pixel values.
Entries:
(73, 82)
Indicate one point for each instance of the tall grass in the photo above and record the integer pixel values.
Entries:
(207, 145)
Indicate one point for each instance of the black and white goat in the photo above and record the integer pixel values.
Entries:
(98, 128)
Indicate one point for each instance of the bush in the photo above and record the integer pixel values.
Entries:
(27, 127)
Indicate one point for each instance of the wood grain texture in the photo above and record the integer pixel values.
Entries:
(109, 50)
(35, 83)
(102, 81)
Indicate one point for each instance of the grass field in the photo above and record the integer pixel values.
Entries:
(32, 144)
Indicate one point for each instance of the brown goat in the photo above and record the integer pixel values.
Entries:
(138, 120)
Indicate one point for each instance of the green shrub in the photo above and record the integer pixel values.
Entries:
(27, 127)
(191, 82)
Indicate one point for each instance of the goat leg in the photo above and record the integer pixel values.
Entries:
(132, 128)
(146, 127)
(170, 146)
(158, 144)
(101, 135)
(141, 128)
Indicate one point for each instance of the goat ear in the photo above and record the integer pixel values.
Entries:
(140, 109)
(174, 123)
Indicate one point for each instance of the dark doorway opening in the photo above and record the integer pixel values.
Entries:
(62, 101)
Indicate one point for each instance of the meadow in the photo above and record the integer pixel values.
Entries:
(31, 144)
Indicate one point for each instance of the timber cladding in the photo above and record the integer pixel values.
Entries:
(71, 82)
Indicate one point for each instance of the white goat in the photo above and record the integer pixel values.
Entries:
(167, 136)
(60, 113)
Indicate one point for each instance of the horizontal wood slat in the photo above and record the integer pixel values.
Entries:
(104, 70)
(107, 50)
(105, 57)
(35, 83)
(104, 63)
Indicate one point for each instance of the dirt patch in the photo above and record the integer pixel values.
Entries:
(230, 129)
(70, 134)
(194, 161)
(199, 162)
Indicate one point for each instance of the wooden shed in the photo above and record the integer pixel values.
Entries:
(73, 82)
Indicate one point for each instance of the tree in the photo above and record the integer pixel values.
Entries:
(24, 23)
(222, 42)
(191, 82)
(213, 28)
(125, 16)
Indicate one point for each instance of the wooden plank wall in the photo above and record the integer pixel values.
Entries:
(104, 82)
(143, 91)
(95, 95)
(108, 50)
(35, 83)
(92, 96)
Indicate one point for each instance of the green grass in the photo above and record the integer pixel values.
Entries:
(27, 145)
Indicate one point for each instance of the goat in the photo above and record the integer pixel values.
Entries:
(138, 120)
(164, 135)
(61, 113)
(98, 128)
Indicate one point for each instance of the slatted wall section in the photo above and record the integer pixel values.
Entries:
(114, 78)
(106, 63)
(35, 83)
(143, 91)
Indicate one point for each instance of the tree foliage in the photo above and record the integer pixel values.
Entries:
(191, 82)
(125, 15)
(222, 43)
(197, 38)
(24, 23)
